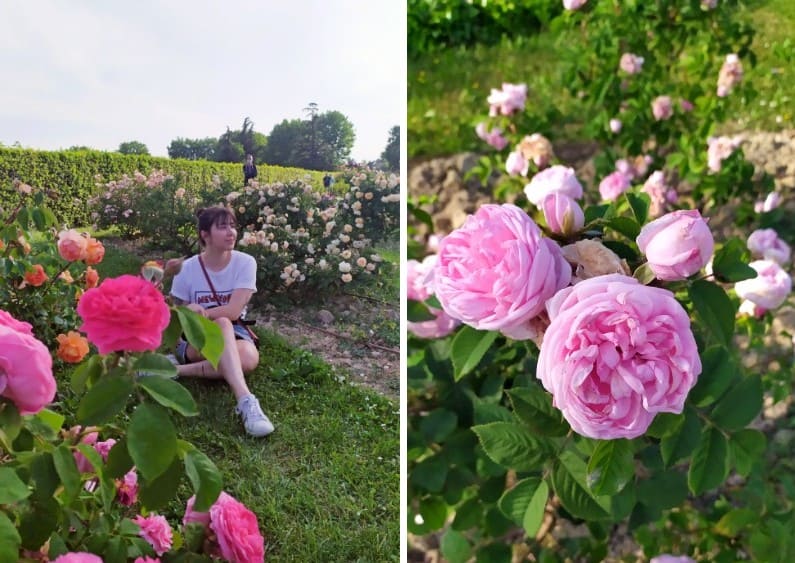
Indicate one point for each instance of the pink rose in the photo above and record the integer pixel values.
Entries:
(665, 558)
(25, 367)
(72, 246)
(659, 192)
(769, 289)
(631, 64)
(764, 243)
(615, 125)
(677, 245)
(419, 289)
(508, 100)
(563, 215)
(496, 271)
(573, 4)
(103, 448)
(556, 178)
(516, 164)
(124, 314)
(662, 108)
(77, 557)
(237, 531)
(127, 488)
(613, 185)
(156, 531)
(193, 516)
(719, 149)
(493, 137)
(731, 73)
(615, 354)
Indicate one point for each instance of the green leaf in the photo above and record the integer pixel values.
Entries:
(67, 470)
(455, 547)
(417, 312)
(205, 478)
(663, 490)
(680, 443)
(105, 400)
(729, 263)
(119, 461)
(525, 504)
(468, 515)
(158, 492)
(433, 301)
(644, 274)
(434, 513)
(170, 394)
(44, 475)
(439, 424)
(10, 424)
(511, 445)
(202, 334)
(9, 540)
(747, 447)
(740, 405)
(85, 372)
(430, 473)
(717, 374)
(594, 212)
(568, 480)
(38, 522)
(51, 418)
(172, 333)
(640, 204)
(12, 488)
(534, 407)
(715, 310)
(156, 364)
(611, 467)
(151, 440)
(734, 521)
(710, 463)
(626, 226)
(469, 346)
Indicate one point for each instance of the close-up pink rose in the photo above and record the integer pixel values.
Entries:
(20, 326)
(563, 215)
(631, 64)
(77, 557)
(496, 271)
(124, 314)
(72, 246)
(25, 367)
(676, 245)
(155, 530)
(765, 243)
(493, 137)
(730, 74)
(615, 354)
(662, 108)
(613, 185)
(509, 99)
(516, 165)
(719, 149)
(237, 531)
(556, 178)
(419, 288)
(769, 289)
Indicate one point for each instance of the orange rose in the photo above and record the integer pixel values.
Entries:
(92, 277)
(72, 347)
(2, 246)
(95, 252)
(37, 276)
(66, 276)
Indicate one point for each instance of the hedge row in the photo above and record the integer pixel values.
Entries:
(72, 175)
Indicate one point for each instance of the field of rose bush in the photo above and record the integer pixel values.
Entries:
(88, 485)
(577, 354)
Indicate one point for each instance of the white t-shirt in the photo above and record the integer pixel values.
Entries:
(191, 286)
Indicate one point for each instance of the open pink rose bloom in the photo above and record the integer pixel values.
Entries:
(615, 354)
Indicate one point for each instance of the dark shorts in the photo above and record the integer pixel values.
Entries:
(241, 333)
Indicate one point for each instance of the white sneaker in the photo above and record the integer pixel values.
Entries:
(254, 420)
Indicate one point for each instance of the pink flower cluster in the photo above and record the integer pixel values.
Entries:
(493, 137)
(731, 73)
(662, 108)
(615, 354)
(235, 528)
(631, 64)
(419, 288)
(25, 366)
(719, 149)
(508, 100)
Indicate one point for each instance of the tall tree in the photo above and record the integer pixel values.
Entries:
(335, 138)
(391, 153)
(284, 142)
(133, 147)
(229, 149)
(193, 149)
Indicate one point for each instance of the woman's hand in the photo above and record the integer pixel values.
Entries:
(197, 309)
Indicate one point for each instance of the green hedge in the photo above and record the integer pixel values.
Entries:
(71, 175)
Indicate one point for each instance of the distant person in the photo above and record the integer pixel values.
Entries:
(328, 181)
(249, 169)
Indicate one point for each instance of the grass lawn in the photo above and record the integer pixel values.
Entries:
(325, 485)
(447, 90)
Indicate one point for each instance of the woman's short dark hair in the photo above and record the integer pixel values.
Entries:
(209, 216)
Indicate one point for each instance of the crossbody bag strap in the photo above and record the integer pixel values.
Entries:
(210, 283)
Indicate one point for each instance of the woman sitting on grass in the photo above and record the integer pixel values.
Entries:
(218, 283)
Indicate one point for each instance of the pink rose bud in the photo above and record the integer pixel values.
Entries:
(613, 185)
(631, 64)
(516, 164)
(560, 179)
(615, 354)
(563, 215)
(493, 137)
(419, 288)
(508, 100)
(765, 243)
(769, 289)
(615, 125)
(497, 271)
(676, 245)
(662, 108)
(772, 201)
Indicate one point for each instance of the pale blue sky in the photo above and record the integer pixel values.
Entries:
(97, 73)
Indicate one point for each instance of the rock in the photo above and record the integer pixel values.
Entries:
(325, 317)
